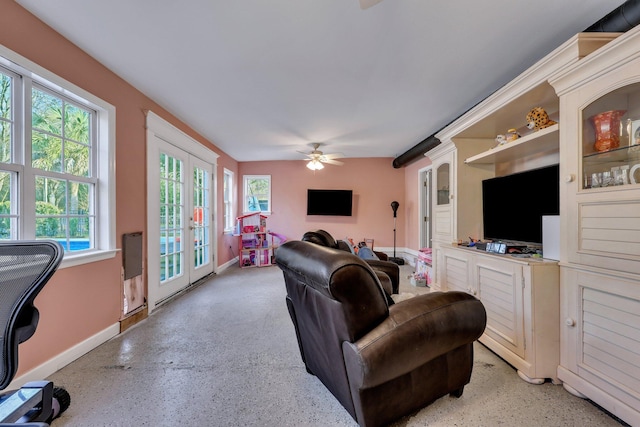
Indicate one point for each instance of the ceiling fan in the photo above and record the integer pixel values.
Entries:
(317, 158)
(364, 4)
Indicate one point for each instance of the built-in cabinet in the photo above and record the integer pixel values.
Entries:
(591, 87)
(521, 297)
(600, 220)
(471, 153)
(458, 198)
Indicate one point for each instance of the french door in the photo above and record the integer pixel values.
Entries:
(180, 222)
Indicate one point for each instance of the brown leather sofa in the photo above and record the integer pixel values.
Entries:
(391, 269)
(381, 362)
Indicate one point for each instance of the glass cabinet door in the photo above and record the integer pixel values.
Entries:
(611, 139)
(442, 184)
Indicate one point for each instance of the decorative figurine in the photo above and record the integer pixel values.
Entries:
(512, 135)
(538, 119)
(501, 140)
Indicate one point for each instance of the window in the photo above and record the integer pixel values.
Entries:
(228, 201)
(257, 193)
(56, 151)
(61, 149)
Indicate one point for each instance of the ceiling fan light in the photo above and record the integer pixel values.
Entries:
(315, 165)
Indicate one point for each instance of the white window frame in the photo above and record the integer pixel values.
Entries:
(105, 238)
(228, 216)
(245, 199)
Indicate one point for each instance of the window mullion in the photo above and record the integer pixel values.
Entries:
(26, 179)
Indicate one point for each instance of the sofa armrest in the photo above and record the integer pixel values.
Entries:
(417, 330)
(391, 269)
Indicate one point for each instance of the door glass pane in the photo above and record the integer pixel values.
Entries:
(201, 217)
(442, 177)
(611, 139)
(171, 211)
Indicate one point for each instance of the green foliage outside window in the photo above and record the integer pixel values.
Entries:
(46, 225)
(5, 221)
(61, 143)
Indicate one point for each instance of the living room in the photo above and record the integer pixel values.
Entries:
(95, 308)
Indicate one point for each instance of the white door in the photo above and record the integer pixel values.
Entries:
(170, 231)
(180, 219)
(201, 220)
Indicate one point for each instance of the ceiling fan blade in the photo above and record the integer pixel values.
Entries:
(365, 4)
(332, 162)
(332, 156)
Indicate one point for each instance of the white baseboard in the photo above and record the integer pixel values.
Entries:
(400, 252)
(63, 359)
(227, 264)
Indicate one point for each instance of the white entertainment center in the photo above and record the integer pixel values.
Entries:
(521, 297)
(575, 321)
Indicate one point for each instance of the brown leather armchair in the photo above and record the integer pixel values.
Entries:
(381, 362)
(391, 269)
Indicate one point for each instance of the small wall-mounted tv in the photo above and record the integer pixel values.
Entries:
(329, 202)
(513, 205)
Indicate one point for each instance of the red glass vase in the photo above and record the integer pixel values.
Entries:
(607, 127)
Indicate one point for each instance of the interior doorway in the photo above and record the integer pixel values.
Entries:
(425, 207)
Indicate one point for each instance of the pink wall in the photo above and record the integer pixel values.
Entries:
(375, 184)
(81, 301)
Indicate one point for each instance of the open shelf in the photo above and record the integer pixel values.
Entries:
(542, 141)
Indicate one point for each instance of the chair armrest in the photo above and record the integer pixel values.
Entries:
(391, 269)
(417, 330)
(385, 281)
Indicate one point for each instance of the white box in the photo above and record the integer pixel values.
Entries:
(551, 237)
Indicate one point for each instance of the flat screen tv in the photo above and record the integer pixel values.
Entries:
(513, 205)
(329, 202)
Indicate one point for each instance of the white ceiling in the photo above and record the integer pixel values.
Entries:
(263, 79)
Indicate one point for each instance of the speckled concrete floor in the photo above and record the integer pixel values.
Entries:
(225, 354)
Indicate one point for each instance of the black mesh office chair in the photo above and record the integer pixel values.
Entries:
(25, 267)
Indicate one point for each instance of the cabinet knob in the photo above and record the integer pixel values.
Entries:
(570, 322)
(569, 178)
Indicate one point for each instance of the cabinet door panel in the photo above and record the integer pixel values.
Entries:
(607, 234)
(456, 273)
(607, 333)
(443, 224)
(500, 289)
